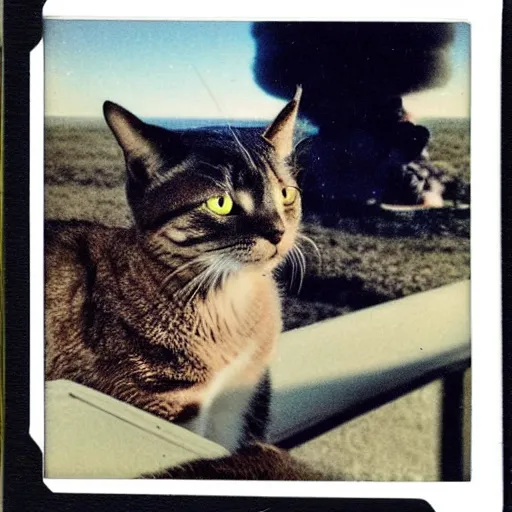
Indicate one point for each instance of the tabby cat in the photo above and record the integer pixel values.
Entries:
(179, 314)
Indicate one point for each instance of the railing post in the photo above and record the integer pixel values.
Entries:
(452, 427)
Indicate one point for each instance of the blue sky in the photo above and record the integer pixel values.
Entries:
(153, 68)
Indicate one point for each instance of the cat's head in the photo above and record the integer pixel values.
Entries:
(212, 195)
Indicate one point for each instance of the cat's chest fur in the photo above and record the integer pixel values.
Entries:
(246, 320)
(243, 318)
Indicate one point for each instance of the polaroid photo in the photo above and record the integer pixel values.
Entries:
(267, 251)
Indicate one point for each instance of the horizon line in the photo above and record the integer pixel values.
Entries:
(222, 118)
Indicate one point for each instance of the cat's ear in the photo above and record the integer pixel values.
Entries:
(149, 150)
(127, 129)
(280, 131)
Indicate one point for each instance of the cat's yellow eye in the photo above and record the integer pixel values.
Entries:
(221, 205)
(289, 195)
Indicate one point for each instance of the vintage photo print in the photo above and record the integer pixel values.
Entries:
(257, 253)
(196, 170)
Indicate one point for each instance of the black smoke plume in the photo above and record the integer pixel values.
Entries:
(351, 72)
(354, 76)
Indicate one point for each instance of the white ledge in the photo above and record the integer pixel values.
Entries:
(331, 366)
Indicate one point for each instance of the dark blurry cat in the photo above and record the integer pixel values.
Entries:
(179, 314)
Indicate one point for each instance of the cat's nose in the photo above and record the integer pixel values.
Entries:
(274, 235)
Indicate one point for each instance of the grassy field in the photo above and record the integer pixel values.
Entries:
(449, 145)
(364, 262)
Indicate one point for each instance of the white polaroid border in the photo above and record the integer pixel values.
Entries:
(485, 490)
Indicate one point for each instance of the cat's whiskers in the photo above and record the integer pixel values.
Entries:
(220, 276)
(291, 258)
(301, 236)
(298, 263)
(301, 259)
(188, 289)
(226, 270)
(225, 274)
(215, 276)
(210, 278)
(296, 267)
(181, 268)
(205, 277)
